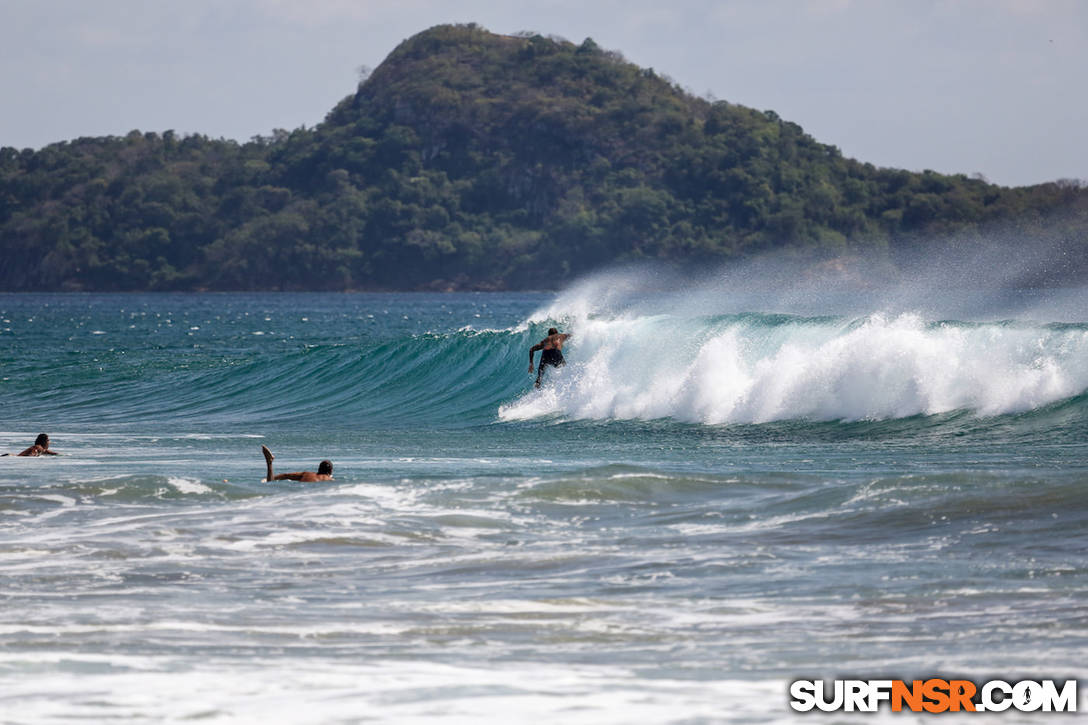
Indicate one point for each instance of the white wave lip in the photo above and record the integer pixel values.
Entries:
(752, 369)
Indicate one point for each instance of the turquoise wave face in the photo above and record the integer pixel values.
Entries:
(240, 359)
(363, 361)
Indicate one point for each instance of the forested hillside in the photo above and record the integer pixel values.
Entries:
(479, 161)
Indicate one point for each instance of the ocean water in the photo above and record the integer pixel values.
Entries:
(717, 495)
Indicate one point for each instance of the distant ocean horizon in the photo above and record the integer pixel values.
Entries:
(724, 490)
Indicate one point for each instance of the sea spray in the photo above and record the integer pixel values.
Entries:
(691, 357)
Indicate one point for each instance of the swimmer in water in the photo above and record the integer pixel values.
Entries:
(324, 471)
(551, 348)
(40, 448)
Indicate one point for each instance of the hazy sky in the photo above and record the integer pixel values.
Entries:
(974, 86)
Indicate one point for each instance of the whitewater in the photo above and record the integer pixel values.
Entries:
(735, 482)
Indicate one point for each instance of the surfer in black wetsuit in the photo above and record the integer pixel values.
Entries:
(551, 348)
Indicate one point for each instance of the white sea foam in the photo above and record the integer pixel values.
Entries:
(391, 692)
(57, 498)
(188, 485)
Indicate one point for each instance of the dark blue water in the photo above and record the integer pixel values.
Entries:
(707, 502)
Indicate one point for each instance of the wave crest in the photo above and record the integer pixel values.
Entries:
(760, 368)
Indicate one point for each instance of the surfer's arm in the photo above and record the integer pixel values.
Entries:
(533, 349)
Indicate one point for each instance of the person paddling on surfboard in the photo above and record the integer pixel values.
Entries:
(40, 448)
(551, 348)
(324, 471)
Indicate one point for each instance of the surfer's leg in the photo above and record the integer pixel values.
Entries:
(539, 374)
(268, 458)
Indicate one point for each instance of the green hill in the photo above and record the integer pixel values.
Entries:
(474, 160)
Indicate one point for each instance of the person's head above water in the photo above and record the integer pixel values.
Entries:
(553, 331)
(324, 468)
(40, 447)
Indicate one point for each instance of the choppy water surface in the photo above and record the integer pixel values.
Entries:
(708, 502)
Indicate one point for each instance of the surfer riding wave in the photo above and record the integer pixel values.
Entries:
(551, 348)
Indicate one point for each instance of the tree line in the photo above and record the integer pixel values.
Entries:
(469, 160)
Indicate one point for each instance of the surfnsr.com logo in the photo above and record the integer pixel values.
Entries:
(934, 695)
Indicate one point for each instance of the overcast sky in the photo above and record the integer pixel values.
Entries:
(995, 87)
